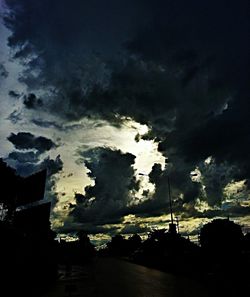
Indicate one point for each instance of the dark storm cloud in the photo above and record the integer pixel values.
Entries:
(31, 101)
(205, 47)
(238, 211)
(69, 45)
(134, 228)
(188, 55)
(107, 201)
(185, 74)
(177, 76)
(215, 177)
(14, 94)
(176, 180)
(26, 140)
(232, 211)
(189, 63)
(70, 228)
(190, 31)
(27, 157)
(159, 203)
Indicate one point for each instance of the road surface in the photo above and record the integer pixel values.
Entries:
(113, 277)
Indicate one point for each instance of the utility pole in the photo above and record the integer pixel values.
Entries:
(170, 202)
(177, 223)
(172, 225)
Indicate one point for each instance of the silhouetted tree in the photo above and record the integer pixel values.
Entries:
(9, 182)
(117, 246)
(157, 235)
(221, 236)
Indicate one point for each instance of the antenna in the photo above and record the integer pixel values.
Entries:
(170, 202)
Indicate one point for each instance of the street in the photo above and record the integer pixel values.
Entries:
(112, 277)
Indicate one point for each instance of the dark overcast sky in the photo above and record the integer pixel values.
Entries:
(180, 67)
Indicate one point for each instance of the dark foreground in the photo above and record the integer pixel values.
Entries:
(113, 277)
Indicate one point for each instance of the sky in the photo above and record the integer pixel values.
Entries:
(115, 97)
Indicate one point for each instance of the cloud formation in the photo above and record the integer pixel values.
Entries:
(68, 46)
(114, 183)
(181, 67)
(26, 140)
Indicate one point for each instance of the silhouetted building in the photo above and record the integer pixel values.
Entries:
(31, 189)
(20, 191)
(33, 220)
(27, 247)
